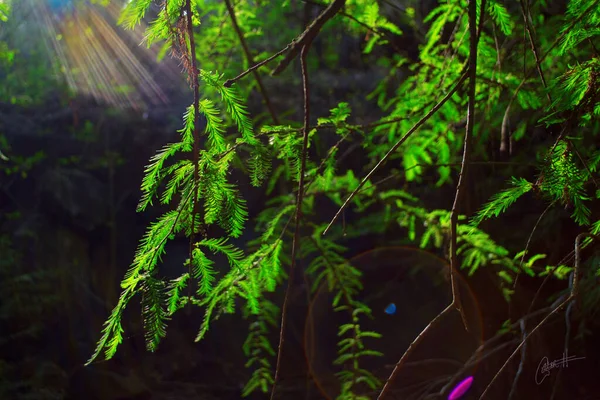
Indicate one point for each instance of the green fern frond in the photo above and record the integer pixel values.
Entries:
(153, 174)
(258, 349)
(154, 311)
(274, 222)
(158, 29)
(501, 201)
(151, 248)
(259, 165)
(234, 103)
(112, 334)
(500, 16)
(586, 11)
(234, 255)
(270, 266)
(251, 291)
(202, 269)
(212, 194)
(183, 173)
(133, 13)
(174, 293)
(338, 116)
(564, 182)
(187, 132)
(234, 212)
(214, 126)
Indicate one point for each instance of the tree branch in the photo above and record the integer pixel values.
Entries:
(250, 59)
(571, 297)
(462, 177)
(296, 240)
(309, 35)
(395, 147)
(196, 135)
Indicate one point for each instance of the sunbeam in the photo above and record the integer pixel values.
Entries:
(99, 59)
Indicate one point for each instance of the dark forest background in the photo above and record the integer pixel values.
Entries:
(73, 153)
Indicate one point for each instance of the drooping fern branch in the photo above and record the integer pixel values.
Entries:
(204, 177)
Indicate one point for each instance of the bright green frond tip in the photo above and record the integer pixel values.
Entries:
(112, 334)
(500, 16)
(133, 13)
(502, 200)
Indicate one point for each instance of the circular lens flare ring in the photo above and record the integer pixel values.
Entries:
(388, 274)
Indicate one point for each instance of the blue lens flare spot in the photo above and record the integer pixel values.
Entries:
(390, 309)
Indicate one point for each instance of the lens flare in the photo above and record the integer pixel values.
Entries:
(416, 284)
(390, 309)
(100, 59)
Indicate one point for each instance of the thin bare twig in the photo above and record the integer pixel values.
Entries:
(539, 61)
(296, 241)
(477, 355)
(567, 336)
(462, 177)
(309, 34)
(572, 296)
(529, 29)
(395, 147)
(367, 27)
(521, 363)
(231, 81)
(250, 59)
(472, 65)
(387, 387)
(196, 156)
(527, 245)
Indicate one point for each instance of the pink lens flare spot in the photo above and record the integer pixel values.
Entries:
(461, 389)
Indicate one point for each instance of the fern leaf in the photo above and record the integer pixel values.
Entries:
(182, 175)
(154, 312)
(259, 165)
(174, 293)
(202, 269)
(151, 247)
(133, 13)
(234, 103)
(112, 334)
(214, 126)
(500, 16)
(234, 255)
(502, 200)
(234, 212)
(154, 174)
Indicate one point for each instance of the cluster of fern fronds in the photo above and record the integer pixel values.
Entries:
(196, 184)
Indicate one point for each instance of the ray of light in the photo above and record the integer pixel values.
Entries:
(98, 59)
(135, 67)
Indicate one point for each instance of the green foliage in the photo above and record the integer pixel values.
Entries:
(502, 200)
(258, 349)
(586, 15)
(500, 16)
(192, 176)
(4, 10)
(134, 11)
(350, 349)
(564, 182)
(330, 268)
